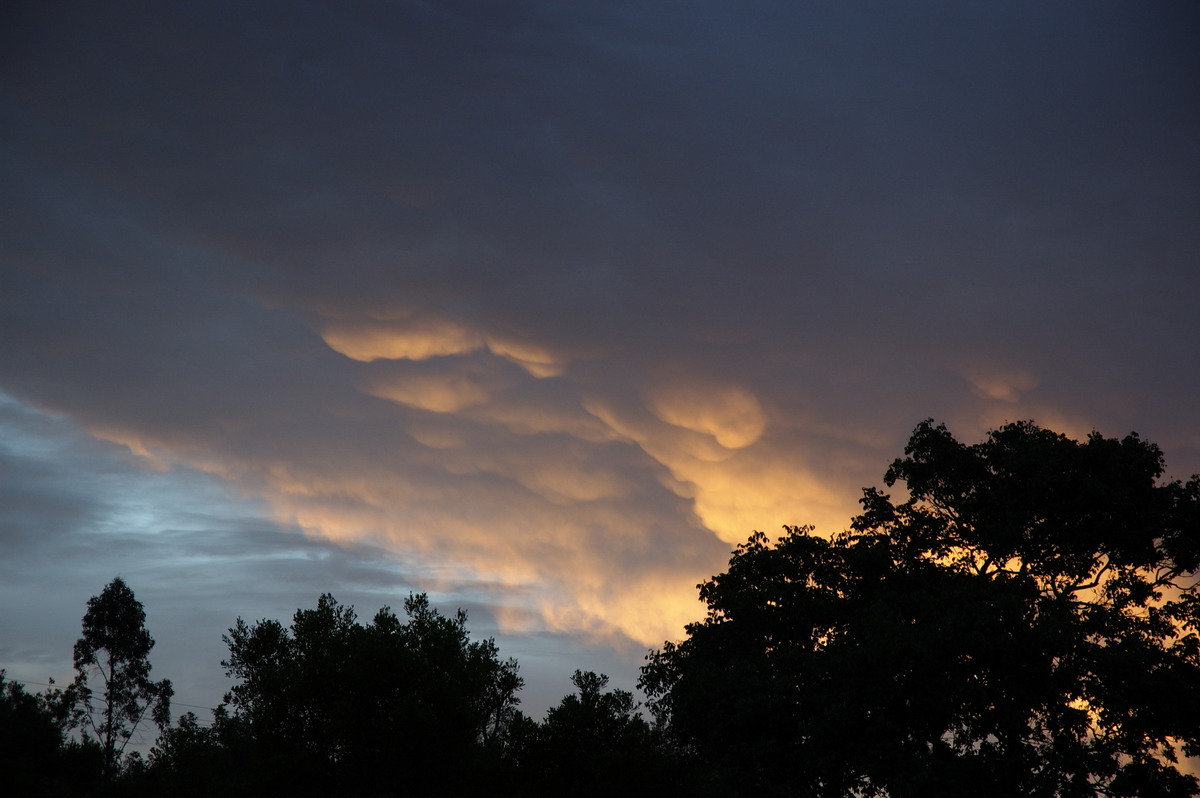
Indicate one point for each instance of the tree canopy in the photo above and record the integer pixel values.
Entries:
(593, 743)
(1023, 622)
(367, 707)
(37, 757)
(115, 650)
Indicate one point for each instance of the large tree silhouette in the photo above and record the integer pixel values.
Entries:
(330, 705)
(1024, 622)
(114, 655)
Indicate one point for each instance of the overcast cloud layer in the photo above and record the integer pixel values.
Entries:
(543, 306)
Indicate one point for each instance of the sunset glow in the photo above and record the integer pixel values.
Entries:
(544, 307)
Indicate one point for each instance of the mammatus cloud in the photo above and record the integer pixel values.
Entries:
(1005, 385)
(708, 439)
(400, 339)
(421, 338)
(612, 501)
(701, 439)
(731, 415)
(563, 300)
(437, 393)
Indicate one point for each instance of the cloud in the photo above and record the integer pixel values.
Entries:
(437, 393)
(559, 301)
(1005, 385)
(75, 511)
(731, 415)
(398, 340)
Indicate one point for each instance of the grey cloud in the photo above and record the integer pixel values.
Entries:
(197, 558)
(834, 220)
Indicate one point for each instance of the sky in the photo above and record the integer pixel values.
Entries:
(542, 307)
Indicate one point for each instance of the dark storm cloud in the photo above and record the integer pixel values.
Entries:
(564, 298)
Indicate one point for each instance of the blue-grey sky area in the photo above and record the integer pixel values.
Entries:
(541, 307)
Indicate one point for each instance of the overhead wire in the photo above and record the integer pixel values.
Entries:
(174, 703)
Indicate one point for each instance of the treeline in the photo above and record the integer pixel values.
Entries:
(1024, 621)
(328, 706)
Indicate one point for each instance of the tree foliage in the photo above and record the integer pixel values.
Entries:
(1024, 622)
(37, 757)
(593, 743)
(368, 708)
(114, 651)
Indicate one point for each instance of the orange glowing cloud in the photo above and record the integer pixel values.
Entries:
(731, 415)
(763, 492)
(1005, 385)
(537, 360)
(601, 510)
(579, 589)
(400, 339)
(415, 336)
(438, 393)
(757, 486)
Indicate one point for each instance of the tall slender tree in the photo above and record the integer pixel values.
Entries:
(114, 651)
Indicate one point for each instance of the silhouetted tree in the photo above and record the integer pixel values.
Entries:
(593, 743)
(115, 649)
(36, 755)
(385, 708)
(1023, 623)
(208, 761)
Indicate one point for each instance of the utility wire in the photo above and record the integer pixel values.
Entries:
(174, 703)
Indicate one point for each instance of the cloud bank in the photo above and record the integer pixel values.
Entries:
(563, 300)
